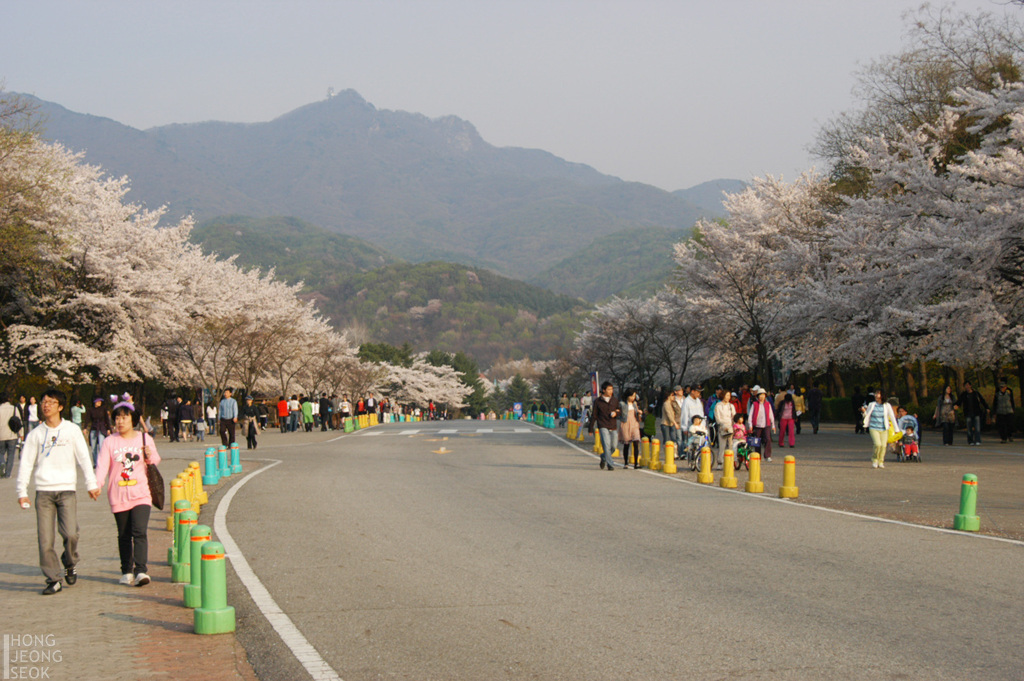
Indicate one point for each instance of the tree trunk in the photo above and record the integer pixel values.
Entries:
(1020, 374)
(890, 371)
(837, 381)
(908, 375)
(960, 378)
(923, 390)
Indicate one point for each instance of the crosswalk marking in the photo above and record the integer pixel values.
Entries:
(408, 432)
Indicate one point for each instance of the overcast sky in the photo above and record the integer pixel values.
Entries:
(671, 93)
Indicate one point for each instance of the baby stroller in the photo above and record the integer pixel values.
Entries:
(907, 449)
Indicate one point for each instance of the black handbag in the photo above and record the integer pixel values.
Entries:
(156, 481)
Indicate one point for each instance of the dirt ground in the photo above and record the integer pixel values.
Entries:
(833, 469)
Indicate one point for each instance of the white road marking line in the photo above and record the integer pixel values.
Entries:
(485, 430)
(447, 431)
(370, 433)
(283, 625)
(764, 497)
(408, 432)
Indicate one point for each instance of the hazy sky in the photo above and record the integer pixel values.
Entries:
(671, 93)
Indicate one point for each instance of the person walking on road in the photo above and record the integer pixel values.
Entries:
(974, 407)
(945, 414)
(814, 401)
(725, 412)
(251, 419)
(878, 419)
(605, 418)
(48, 459)
(9, 436)
(228, 414)
(124, 457)
(761, 421)
(1003, 406)
(629, 428)
(671, 413)
(787, 420)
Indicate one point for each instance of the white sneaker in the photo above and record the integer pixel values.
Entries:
(881, 465)
(874, 464)
(141, 579)
(127, 579)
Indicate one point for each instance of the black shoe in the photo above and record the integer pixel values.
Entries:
(70, 576)
(610, 467)
(602, 464)
(51, 588)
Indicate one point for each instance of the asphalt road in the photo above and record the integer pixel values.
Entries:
(512, 555)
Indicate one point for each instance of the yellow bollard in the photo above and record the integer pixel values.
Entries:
(615, 454)
(754, 484)
(598, 449)
(645, 451)
(705, 476)
(670, 458)
(655, 461)
(789, 489)
(580, 432)
(728, 480)
(177, 494)
(197, 477)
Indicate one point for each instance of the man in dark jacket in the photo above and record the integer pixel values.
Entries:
(606, 419)
(974, 407)
(172, 417)
(97, 420)
(325, 411)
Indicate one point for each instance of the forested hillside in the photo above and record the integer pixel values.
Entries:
(432, 305)
(451, 308)
(635, 262)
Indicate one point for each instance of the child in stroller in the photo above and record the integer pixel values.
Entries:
(908, 447)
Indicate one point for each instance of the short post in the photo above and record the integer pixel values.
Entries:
(193, 592)
(214, 616)
(728, 479)
(789, 489)
(180, 568)
(705, 476)
(645, 452)
(670, 458)
(211, 472)
(967, 519)
(177, 494)
(654, 463)
(754, 484)
(236, 459)
(201, 496)
(598, 447)
(180, 506)
(222, 462)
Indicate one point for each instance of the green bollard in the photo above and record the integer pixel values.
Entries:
(211, 470)
(348, 425)
(966, 519)
(222, 462)
(236, 459)
(193, 590)
(215, 616)
(180, 506)
(180, 568)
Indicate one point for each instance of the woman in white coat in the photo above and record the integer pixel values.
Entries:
(878, 417)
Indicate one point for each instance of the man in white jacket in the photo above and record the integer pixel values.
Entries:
(48, 458)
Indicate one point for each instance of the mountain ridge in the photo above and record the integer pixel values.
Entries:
(421, 188)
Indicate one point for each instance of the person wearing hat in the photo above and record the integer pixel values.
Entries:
(97, 419)
(123, 471)
(761, 420)
(251, 421)
(1003, 406)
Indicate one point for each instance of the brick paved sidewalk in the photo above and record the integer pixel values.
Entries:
(98, 629)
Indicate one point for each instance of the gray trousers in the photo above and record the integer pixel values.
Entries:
(60, 508)
(8, 453)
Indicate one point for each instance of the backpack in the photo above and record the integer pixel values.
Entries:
(14, 423)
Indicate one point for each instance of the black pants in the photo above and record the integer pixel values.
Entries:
(227, 432)
(132, 540)
(250, 435)
(947, 433)
(1004, 422)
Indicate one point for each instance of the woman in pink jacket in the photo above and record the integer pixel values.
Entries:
(123, 457)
